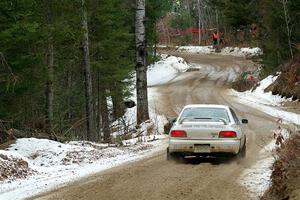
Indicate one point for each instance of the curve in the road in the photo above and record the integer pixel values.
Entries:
(156, 178)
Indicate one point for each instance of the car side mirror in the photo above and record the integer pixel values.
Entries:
(244, 121)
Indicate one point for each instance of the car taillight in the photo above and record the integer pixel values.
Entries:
(176, 133)
(227, 134)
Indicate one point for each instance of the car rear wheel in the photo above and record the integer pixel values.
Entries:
(242, 153)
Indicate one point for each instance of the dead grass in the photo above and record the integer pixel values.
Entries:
(288, 83)
(286, 171)
(243, 85)
(6, 144)
(13, 168)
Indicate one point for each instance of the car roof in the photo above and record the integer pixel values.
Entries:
(206, 106)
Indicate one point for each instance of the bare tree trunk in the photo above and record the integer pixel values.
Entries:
(199, 23)
(166, 33)
(98, 117)
(88, 78)
(287, 22)
(105, 117)
(117, 102)
(155, 41)
(69, 92)
(141, 65)
(50, 71)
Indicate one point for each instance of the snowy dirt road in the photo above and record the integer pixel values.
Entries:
(157, 178)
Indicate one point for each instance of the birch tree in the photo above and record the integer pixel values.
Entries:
(141, 65)
(87, 76)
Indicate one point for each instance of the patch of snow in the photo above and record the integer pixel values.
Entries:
(43, 152)
(251, 51)
(260, 96)
(63, 163)
(162, 71)
(257, 178)
(266, 102)
(232, 51)
(13, 166)
(197, 49)
(157, 120)
(165, 69)
(161, 46)
(56, 164)
(241, 52)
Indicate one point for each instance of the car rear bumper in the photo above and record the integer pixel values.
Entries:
(204, 146)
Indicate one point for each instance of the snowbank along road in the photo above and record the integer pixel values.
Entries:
(157, 178)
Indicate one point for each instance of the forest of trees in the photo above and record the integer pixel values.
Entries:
(64, 62)
(274, 25)
(277, 22)
(66, 65)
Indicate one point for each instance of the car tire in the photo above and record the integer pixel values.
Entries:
(242, 152)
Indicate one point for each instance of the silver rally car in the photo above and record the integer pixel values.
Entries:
(206, 130)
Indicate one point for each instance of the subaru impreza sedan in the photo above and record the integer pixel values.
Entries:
(207, 130)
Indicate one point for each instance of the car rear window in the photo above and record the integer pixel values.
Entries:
(197, 113)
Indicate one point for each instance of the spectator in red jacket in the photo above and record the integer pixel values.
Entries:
(216, 38)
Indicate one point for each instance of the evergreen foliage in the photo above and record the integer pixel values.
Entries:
(269, 16)
(274, 37)
(24, 33)
(238, 16)
(24, 42)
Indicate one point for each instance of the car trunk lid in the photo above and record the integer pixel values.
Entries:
(203, 130)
